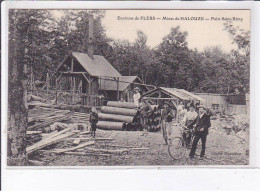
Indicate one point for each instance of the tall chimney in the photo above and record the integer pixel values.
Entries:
(90, 36)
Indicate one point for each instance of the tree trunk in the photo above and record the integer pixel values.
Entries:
(17, 93)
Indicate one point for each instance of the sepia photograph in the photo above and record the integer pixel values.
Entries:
(130, 87)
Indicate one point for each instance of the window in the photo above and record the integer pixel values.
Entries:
(215, 106)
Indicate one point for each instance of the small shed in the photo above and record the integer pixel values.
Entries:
(171, 95)
(126, 87)
(228, 103)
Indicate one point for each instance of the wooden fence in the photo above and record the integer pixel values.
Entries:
(69, 97)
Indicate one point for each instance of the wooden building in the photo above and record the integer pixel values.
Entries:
(171, 95)
(228, 103)
(126, 87)
(95, 78)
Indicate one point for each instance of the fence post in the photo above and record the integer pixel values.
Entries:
(56, 92)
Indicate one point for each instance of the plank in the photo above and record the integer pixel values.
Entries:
(76, 141)
(47, 135)
(33, 132)
(89, 138)
(47, 142)
(107, 151)
(61, 132)
(85, 133)
(86, 154)
(130, 147)
(74, 148)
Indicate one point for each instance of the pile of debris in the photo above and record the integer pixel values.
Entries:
(73, 140)
(237, 124)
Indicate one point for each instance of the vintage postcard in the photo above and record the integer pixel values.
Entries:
(128, 87)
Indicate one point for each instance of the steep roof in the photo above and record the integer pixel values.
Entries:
(98, 66)
(111, 84)
(174, 92)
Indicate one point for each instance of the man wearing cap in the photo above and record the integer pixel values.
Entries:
(201, 131)
(167, 117)
(136, 96)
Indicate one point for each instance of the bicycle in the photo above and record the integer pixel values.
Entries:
(177, 147)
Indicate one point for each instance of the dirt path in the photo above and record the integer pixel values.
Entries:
(221, 149)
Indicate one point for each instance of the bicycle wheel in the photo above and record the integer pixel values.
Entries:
(177, 148)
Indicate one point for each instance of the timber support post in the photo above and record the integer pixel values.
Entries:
(117, 88)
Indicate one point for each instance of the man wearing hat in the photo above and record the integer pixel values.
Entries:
(167, 117)
(201, 131)
(136, 96)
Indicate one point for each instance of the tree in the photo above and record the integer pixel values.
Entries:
(18, 58)
(135, 58)
(241, 55)
(173, 53)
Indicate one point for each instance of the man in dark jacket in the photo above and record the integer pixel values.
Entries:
(201, 131)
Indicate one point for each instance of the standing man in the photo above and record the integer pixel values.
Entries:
(136, 96)
(145, 113)
(167, 117)
(201, 131)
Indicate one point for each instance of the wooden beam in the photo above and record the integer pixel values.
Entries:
(47, 142)
(117, 88)
(74, 148)
(85, 77)
(72, 65)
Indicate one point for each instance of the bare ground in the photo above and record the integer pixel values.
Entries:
(222, 149)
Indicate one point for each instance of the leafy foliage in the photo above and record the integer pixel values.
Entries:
(48, 39)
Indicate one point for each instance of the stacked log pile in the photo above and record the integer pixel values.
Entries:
(154, 119)
(48, 119)
(126, 116)
(119, 116)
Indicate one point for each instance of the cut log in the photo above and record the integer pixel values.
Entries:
(109, 125)
(121, 104)
(74, 148)
(118, 111)
(113, 117)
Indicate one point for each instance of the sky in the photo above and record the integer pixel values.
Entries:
(201, 33)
